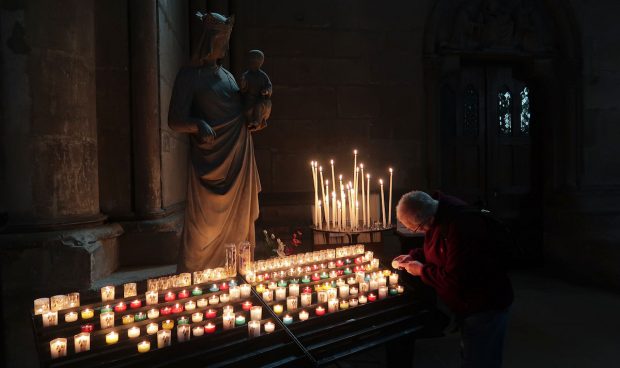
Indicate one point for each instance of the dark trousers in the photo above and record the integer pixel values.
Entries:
(482, 339)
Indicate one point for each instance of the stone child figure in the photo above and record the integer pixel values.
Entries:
(223, 182)
(256, 91)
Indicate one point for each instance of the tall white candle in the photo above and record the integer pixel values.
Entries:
(339, 215)
(363, 197)
(354, 167)
(390, 200)
(316, 193)
(333, 176)
(58, 347)
(81, 342)
(368, 199)
(334, 209)
(382, 202)
(320, 220)
(322, 182)
(327, 203)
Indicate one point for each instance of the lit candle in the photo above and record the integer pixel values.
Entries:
(316, 195)
(210, 313)
(390, 200)
(191, 305)
(383, 290)
(269, 327)
(291, 303)
(353, 302)
(247, 305)
(107, 293)
(81, 342)
(111, 338)
(303, 315)
(228, 321)
(106, 319)
(333, 176)
(209, 328)
(120, 307)
(363, 299)
(137, 303)
(71, 317)
(165, 311)
(235, 293)
(287, 319)
(41, 305)
(326, 200)
(152, 328)
(256, 313)
(322, 196)
(183, 333)
(400, 289)
(197, 317)
(260, 288)
(280, 293)
(321, 296)
(151, 297)
(293, 289)
(73, 300)
(394, 279)
(127, 319)
(89, 327)
(272, 286)
(58, 348)
(201, 303)
(182, 321)
(343, 291)
(246, 289)
(334, 209)
(87, 313)
(153, 313)
(164, 338)
(253, 328)
(278, 309)
(332, 305)
(368, 199)
(268, 295)
(144, 346)
(129, 290)
(382, 202)
(184, 294)
(344, 304)
(306, 299)
(58, 302)
(169, 296)
(133, 332)
(319, 311)
(372, 297)
(214, 299)
(198, 331)
(167, 324)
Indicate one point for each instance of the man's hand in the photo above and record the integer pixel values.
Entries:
(399, 261)
(414, 268)
(205, 131)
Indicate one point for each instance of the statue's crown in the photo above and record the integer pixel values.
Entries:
(216, 22)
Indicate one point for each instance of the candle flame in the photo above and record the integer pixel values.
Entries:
(340, 176)
(326, 182)
(391, 170)
(357, 169)
(381, 181)
(355, 152)
(362, 166)
(367, 176)
(331, 162)
(321, 168)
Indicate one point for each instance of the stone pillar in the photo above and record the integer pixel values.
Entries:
(145, 107)
(49, 137)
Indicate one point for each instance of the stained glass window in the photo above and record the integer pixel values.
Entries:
(470, 115)
(525, 111)
(504, 108)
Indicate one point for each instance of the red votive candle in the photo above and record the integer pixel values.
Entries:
(372, 297)
(209, 328)
(87, 328)
(339, 272)
(169, 296)
(183, 294)
(120, 307)
(135, 304)
(246, 306)
(210, 313)
(319, 311)
(358, 269)
(316, 277)
(339, 263)
(267, 276)
(307, 289)
(315, 267)
(165, 311)
(177, 308)
(224, 286)
(359, 260)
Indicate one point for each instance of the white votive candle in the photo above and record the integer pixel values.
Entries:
(256, 313)
(303, 315)
(164, 338)
(71, 317)
(133, 332)
(254, 328)
(245, 290)
(49, 318)
(81, 342)
(269, 327)
(152, 328)
(41, 305)
(183, 333)
(58, 347)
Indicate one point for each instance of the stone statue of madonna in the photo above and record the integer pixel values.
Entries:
(222, 193)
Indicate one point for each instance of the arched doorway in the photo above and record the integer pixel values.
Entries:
(498, 78)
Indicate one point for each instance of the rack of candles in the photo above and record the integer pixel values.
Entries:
(347, 207)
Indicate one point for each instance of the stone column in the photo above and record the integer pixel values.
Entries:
(49, 136)
(145, 107)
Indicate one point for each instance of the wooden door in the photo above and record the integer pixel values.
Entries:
(487, 152)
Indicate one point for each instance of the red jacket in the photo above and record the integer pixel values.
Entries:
(460, 262)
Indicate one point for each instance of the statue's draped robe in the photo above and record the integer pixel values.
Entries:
(223, 185)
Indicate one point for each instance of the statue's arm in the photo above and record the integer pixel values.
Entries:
(179, 114)
(268, 89)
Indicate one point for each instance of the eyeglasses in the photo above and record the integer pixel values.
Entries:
(419, 226)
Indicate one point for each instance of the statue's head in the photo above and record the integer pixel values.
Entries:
(255, 59)
(213, 44)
